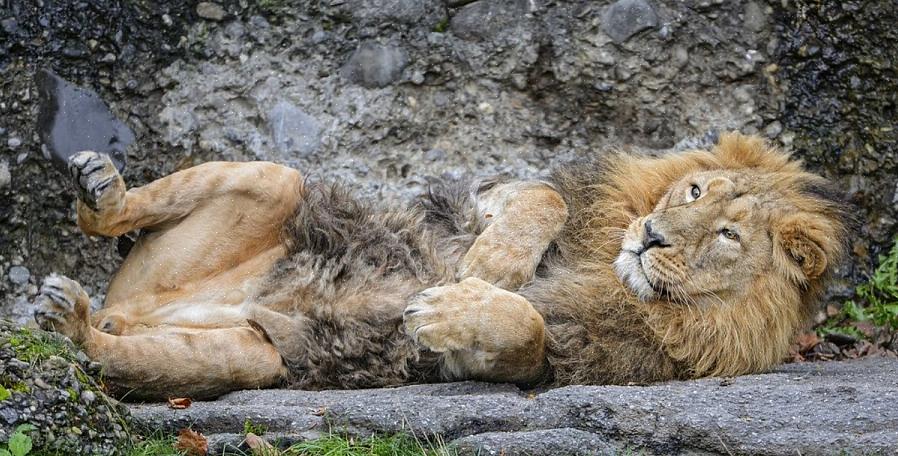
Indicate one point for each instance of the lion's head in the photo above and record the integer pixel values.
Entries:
(728, 250)
(715, 233)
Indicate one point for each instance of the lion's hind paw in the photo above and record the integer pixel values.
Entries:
(95, 176)
(63, 306)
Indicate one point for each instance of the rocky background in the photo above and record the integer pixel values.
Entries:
(385, 95)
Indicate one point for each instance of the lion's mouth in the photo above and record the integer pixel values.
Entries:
(629, 269)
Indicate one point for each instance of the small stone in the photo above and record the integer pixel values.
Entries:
(375, 65)
(9, 25)
(166, 20)
(88, 397)
(773, 129)
(755, 18)
(5, 176)
(435, 155)
(485, 19)
(108, 58)
(210, 11)
(293, 131)
(626, 18)
(13, 142)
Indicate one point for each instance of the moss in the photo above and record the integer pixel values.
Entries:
(38, 346)
(250, 427)
(442, 26)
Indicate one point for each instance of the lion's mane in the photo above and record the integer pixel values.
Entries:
(599, 332)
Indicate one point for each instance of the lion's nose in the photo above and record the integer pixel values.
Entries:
(652, 237)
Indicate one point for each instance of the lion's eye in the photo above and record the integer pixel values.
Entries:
(730, 234)
(695, 192)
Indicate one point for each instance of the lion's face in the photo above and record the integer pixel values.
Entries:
(708, 237)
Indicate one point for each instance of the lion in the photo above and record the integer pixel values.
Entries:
(619, 269)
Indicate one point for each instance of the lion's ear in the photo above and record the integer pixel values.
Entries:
(801, 244)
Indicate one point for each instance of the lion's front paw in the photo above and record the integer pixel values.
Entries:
(98, 183)
(441, 318)
(63, 306)
(505, 263)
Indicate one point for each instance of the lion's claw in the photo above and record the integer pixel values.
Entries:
(62, 306)
(93, 175)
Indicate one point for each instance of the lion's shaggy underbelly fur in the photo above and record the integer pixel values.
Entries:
(348, 274)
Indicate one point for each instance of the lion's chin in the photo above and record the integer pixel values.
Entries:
(629, 270)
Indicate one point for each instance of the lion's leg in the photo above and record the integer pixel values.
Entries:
(209, 220)
(105, 208)
(522, 220)
(167, 362)
(485, 332)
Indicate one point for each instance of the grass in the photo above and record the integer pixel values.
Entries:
(396, 445)
(331, 445)
(156, 445)
(879, 296)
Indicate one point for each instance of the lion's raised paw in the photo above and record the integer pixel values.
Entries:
(97, 181)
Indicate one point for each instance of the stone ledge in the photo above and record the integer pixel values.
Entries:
(812, 408)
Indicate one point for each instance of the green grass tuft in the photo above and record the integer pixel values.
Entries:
(396, 445)
(880, 297)
(155, 445)
(250, 427)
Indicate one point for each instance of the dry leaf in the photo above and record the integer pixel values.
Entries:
(320, 411)
(179, 403)
(832, 310)
(191, 442)
(806, 341)
(259, 446)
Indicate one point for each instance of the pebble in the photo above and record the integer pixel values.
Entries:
(210, 11)
(293, 130)
(19, 275)
(13, 142)
(88, 397)
(625, 18)
(375, 65)
(5, 176)
(773, 129)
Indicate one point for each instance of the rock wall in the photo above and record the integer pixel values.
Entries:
(386, 95)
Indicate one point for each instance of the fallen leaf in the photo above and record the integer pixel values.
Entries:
(320, 411)
(179, 403)
(259, 446)
(832, 310)
(191, 442)
(866, 328)
(806, 341)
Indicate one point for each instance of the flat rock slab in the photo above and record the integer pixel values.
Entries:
(812, 408)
